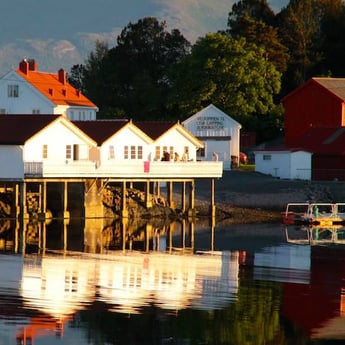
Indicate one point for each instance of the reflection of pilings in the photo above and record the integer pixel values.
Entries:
(183, 197)
(124, 228)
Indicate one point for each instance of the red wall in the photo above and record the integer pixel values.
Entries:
(328, 167)
(310, 105)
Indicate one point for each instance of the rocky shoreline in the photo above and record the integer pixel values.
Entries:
(250, 197)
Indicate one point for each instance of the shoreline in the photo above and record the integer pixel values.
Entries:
(250, 197)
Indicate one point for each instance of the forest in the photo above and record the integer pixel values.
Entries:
(245, 70)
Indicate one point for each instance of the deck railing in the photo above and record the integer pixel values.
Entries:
(120, 169)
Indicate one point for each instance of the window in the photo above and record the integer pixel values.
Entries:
(125, 152)
(13, 90)
(111, 152)
(266, 157)
(68, 151)
(171, 151)
(45, 151)
(36, 111)
(157, 153)
(140, 152)
(133, 152)
(2, 111)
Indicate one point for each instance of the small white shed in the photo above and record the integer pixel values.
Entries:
(219, 132)
(284, 164)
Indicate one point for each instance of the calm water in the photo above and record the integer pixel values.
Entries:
(99, 282)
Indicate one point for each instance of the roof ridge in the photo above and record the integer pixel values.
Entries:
(334, 136)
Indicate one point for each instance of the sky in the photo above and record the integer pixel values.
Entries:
(62, 33)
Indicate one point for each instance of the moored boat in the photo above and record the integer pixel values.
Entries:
(314, 214)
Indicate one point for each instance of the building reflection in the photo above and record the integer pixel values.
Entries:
(318, 305)
(124, 266)
(60, 269)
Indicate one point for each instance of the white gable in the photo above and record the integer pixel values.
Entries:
(211, 121)
(57, 136)
(127, 139)
(27, 101)
(219, 132)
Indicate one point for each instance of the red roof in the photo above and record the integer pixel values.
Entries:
(54, 86)
(16, 129)
(100, 130)
(154, 129)
(324, 140)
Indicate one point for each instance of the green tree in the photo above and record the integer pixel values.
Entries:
(258, 10)
(94, 77)
(333, 43)
(254, 20)
(132, 78)
(299, 30)
(230, 73)
(75, 77)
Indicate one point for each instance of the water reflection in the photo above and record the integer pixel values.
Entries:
(102, 282)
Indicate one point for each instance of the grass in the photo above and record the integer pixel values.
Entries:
(247, 167)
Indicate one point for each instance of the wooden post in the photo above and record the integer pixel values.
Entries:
(170, 195)
(17, 203)
(213, 205)
(191, 211)
(23, 201)
(66, 214)
(148, 200)
(124, 210)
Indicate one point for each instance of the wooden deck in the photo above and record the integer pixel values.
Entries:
(124, 169)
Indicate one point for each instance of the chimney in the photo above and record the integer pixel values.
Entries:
(32, 65)
(62, 76)
(24, 66)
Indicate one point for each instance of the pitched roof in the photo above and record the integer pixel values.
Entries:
(335, 86)
(17, 129)
(53, 86)
(100, 130)
(154, 129)
(324, 140)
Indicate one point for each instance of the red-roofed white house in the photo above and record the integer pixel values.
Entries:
(42, 145)
(26, 90)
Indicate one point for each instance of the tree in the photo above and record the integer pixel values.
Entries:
(94, 75)
(299, 30)
(332, 43)
(254, 20)
(230, 73)
(75, 77)
(131, 79)
(258, 10)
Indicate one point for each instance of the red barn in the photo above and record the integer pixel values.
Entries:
(320, 102)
